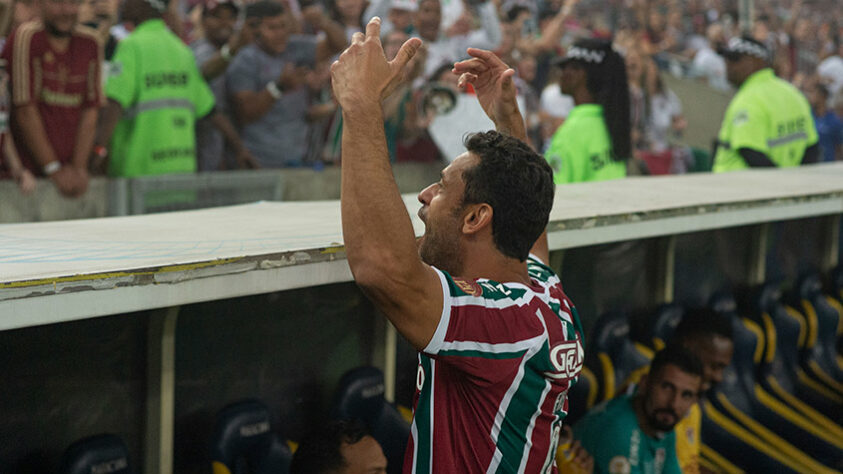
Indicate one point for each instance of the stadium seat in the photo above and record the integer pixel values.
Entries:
(616, 360)
(664, 322)
(729, 429)
(244, 443)
(360, 395)
(781, 373)
(836, 292)
(819, 352)
(100, 453)
(743, 400)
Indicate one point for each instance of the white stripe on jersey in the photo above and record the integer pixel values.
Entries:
(493, 348)
(435, 343)
(432, 407)
(529, 444)
(507, 399)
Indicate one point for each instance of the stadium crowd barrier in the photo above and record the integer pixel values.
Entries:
(55, 276)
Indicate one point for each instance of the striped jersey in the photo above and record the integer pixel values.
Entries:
(492, 384)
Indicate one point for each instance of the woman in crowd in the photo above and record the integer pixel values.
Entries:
(593, 144)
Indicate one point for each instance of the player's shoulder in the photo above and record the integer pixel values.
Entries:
(540, 270)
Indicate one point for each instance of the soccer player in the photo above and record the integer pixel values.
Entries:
(768, 123)
(633, 434)
(54, 70)
(500, 343)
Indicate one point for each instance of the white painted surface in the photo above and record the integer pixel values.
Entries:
(60, 271)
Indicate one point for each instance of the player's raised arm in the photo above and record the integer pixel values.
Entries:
(492, 82)
(379, 239)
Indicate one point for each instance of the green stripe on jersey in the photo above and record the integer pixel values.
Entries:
(484, 355)
(525, 403)
(422, 418)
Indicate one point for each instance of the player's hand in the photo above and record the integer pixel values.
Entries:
(492, 82)
(362, 76)
(583, 460)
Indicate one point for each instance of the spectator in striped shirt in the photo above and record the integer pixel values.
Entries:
(499, 342)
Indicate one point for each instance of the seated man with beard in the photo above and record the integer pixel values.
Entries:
(634, 433)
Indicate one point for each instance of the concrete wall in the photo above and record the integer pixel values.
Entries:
(107, 197)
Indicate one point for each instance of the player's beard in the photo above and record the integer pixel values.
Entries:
(660, 425)
(439, 246)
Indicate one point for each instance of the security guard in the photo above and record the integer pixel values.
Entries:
(769, 122)
(155, 95)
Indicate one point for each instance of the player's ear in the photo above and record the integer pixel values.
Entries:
(479, 217)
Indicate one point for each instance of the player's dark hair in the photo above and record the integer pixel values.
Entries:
(607, 83)
(678, 356)
(700, 323)
(517, 183)
(264, 9)
(320, 451)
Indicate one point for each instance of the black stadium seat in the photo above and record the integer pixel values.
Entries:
(731, 427)
(582, 396)
(360, 395)
(244, 443)
(664, 322)
(819, 352)
(742, 398)
(613, 356)
(780, 373)
(100, 453)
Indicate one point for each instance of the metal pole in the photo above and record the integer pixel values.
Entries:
(746, 13)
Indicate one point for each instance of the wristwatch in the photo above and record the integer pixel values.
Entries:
(51, 167)
(274, 90)
(225, 53)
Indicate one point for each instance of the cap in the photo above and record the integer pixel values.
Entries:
(409, 5)
(744, 46)
(211, 5)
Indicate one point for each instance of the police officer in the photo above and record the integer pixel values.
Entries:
(769, 122)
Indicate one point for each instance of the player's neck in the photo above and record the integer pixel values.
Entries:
(59, 41)
(495, 266)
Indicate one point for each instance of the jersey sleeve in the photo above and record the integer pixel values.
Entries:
(750, 125)
(93, 90)
(484, 330)
(122, 83)
(16, 52)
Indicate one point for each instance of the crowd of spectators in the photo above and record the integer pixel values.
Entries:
(265, 101)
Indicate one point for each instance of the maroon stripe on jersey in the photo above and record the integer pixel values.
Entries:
(492, 325)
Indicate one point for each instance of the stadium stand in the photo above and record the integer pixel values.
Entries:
(99, 453)
(244, 443)
(360, 395)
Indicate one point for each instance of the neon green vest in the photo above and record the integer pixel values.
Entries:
(155, 79)
(581, 149)
(768, 115)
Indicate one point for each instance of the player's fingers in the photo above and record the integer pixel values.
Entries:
(373, 29)
(465, 79)
(506, 78)
(358, 37)
(406, 53)
(491, 58)
(474, 65)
